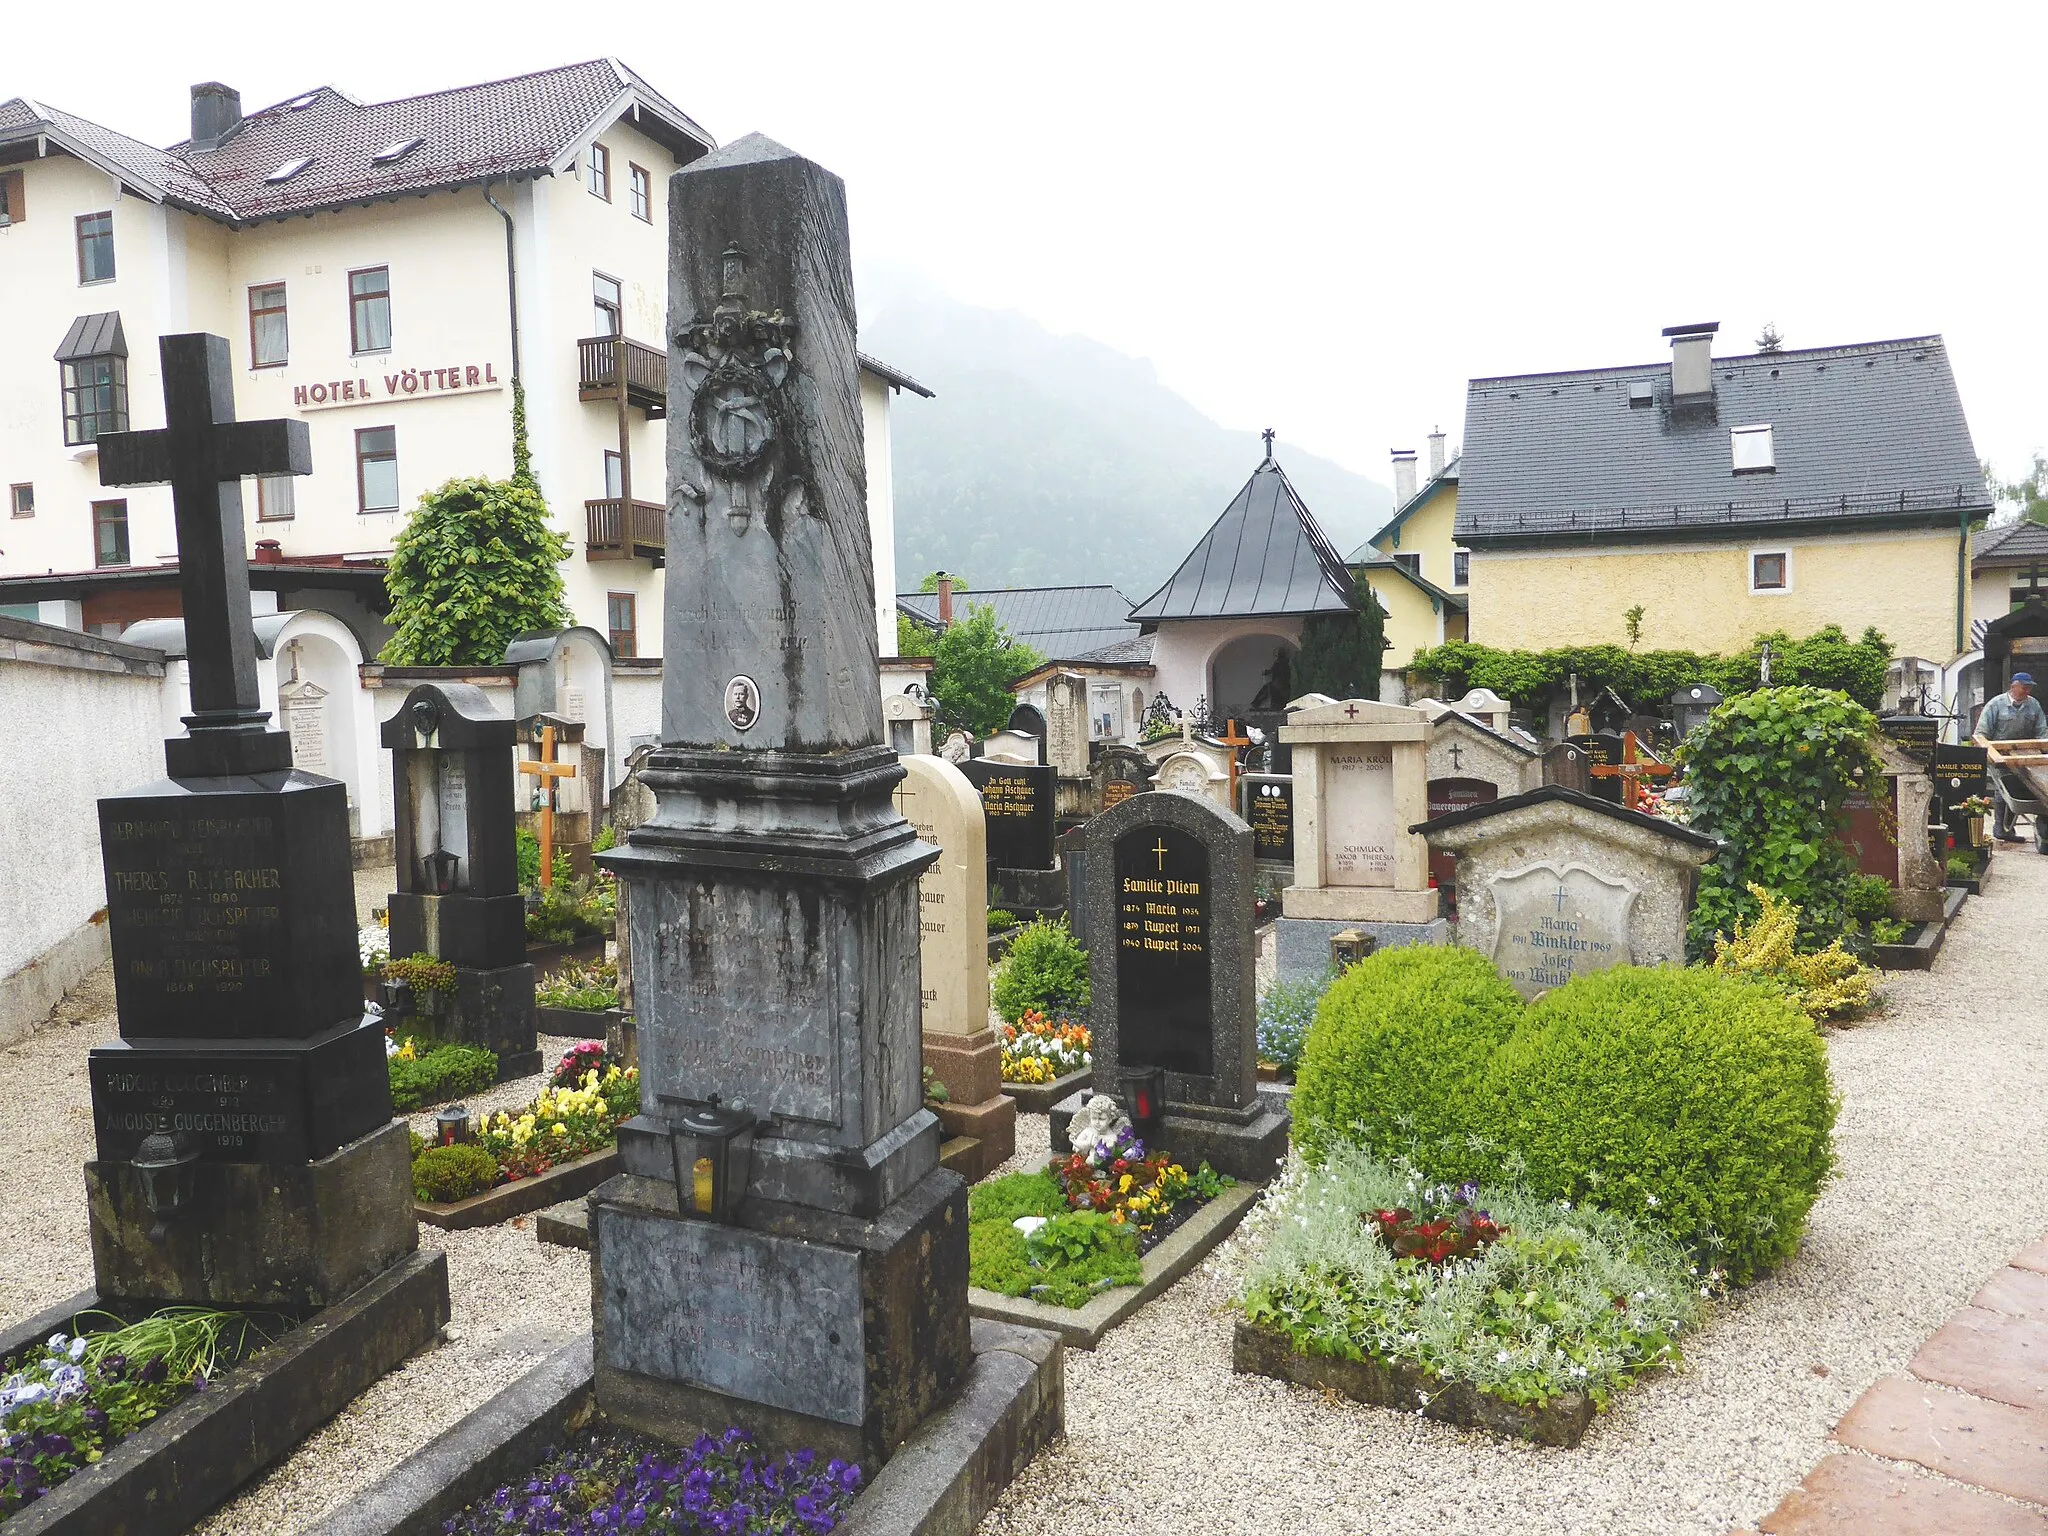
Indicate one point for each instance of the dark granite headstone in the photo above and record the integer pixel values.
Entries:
(1162, 951)
(1017, 799)
(1119, 773)
(1566, 764)
(1916, 735)
(1269, 811)
(1603, 749)
(1960, 772)
(1446, 796)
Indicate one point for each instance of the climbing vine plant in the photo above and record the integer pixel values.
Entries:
(1768, 774)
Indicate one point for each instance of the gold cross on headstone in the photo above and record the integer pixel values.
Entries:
(547, 771)
(1161, 850)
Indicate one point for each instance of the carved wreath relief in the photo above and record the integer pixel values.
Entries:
(735, 363)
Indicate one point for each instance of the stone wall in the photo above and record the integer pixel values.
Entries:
(86, 723)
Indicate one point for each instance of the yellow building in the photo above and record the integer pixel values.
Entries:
(1725, 497)
(1414, 566)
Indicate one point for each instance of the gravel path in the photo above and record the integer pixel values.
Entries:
(1944, 1175)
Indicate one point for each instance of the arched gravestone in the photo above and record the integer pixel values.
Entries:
(1168, 888)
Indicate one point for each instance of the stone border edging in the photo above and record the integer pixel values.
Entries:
(1918, 955)
(197, 1453)
(565, 1181)
(1083, 1327)
(576, 1023)
(1039, 1098)
(939, 1483)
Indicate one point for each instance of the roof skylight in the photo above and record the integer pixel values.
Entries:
(302, 101)
(289, 169)
(395, 151)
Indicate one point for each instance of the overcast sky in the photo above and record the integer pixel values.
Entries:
(1319, 218)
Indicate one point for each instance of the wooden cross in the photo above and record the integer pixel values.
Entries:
(547, 770)
(1234, 739)
(202, 453)
(1631, 771)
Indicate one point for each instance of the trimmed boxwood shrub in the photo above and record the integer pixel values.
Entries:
(1045, 969)
(443, 1174)
(1398, 1054)
(443, 1072)
(1687, 1098)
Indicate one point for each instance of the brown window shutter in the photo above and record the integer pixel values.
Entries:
(10, 183)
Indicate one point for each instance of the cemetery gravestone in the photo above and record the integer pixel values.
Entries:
(1119, 773)
(457, 862)
(1691, 706)
(958, 748)
(1269, 811)
(1566, 765)
(1169, 898)
(1602, 749)
(909, 720)
(774, 896)
(1554, 884)
(1017, 801)
(959, 1047)
(1922, 878)
(1360, 783)
(231, 906)
(1015, 747)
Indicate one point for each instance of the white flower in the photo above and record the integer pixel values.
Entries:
(1706, 1290)
(57, 1341)
(1501, 1358)
(77, 1350)
(1650, 1201)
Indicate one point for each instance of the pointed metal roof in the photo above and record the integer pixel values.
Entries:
(1266, 555)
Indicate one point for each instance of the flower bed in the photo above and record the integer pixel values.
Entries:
(425, 1071)
(1040, 1049)
(582, 998)
(1490, 1315)
(62, 1407)
(568, 1121)
(615, 1481)
(1080, 1227)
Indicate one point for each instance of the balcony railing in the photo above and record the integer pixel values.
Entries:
(622, 530)
(597, 373)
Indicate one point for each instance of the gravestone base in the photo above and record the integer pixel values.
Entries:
(1301, 945)
(1247, 1143)
(993, 1123)
(463, 930)
(269, 1100)
(971, 1066)
(1358, 905)
(259, 1234)
(494, 1009)
(809, 1328)
(856, 1181)
(1028, 890)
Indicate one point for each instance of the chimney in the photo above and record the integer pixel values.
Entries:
(1436, 453)
(1692, 362)
(945, 601)
(216, 113)
(1404, 476)
(269, 552)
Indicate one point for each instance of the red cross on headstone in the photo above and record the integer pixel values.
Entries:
(202, 453)
(1351, 711)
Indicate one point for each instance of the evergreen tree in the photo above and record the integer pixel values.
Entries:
(1341, 652)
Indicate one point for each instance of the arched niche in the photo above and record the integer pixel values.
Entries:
(1239, 669)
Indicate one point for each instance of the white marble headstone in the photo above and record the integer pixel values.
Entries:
(1360, 828)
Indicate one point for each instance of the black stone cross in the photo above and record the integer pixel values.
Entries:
(1268, 436)
(202, 452)
(1456, 763)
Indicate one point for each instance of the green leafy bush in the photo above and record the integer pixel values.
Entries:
(442, 1174)
(526, 852)
(1576, 1300)
(1014, 1195)
(444, 1072)
(1867, 898)
(1398, 1051)
(1687, 1098)
(973, 665)
(998, 919)
(1768, 773)
(1961, 866)
(476, 566)
(1045, 969)
(1086, 1255)
(570, 910)
(422, 972)
(1285, 1014)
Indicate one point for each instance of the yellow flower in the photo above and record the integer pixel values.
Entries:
(560, 1129)
(1123, 1185)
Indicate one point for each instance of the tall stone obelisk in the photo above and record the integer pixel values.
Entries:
(774, 893)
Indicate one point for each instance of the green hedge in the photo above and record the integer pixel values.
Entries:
(1399, 1049)
(444, 1174)
(1694, 1100)
(442, 1073)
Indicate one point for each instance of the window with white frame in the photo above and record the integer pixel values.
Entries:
(1770, 570)
(1752, 450)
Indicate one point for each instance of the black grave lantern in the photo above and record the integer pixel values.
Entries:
(397, 997)
(1143, 1091)
(165, 1164)
(713, 1148)
(437, 871)
(451, 1126)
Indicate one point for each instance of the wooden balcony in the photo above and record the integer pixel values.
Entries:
(597, 373)
(610, 535)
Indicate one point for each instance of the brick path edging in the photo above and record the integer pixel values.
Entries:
(1974, 1410)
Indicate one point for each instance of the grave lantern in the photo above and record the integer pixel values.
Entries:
(397, 998)
(437, 871)
(165, 1165)
(1143, 1090)
(451, 1125)
(713, 1146)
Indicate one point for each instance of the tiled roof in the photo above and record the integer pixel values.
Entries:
(501, 129)
(1265, 555)
(1137, 650)
(2014, 544)
(1060, 623)
(1865, 431)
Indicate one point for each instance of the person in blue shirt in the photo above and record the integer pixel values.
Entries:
(2015, 715)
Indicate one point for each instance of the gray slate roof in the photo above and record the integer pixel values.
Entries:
(1265, 555)
(474, 133)
(1060, 623)
(2014, 544)
(1861, 432)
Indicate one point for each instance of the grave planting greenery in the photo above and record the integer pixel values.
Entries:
(445, 1174)
(1040, 1047)
(1827, 658)
(571, 910)
(1768, 773)
(1693, 1100)
(585, 986)
(1517, 1295)
(65, 1403)
(1285, 1014)
(1046, 969)
(1826, 984)
(427, 1071)
(561, 1123)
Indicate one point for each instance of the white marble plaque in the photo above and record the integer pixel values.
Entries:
(452, 795)
(304, 706)
(1358, 813)
(1553, 922)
